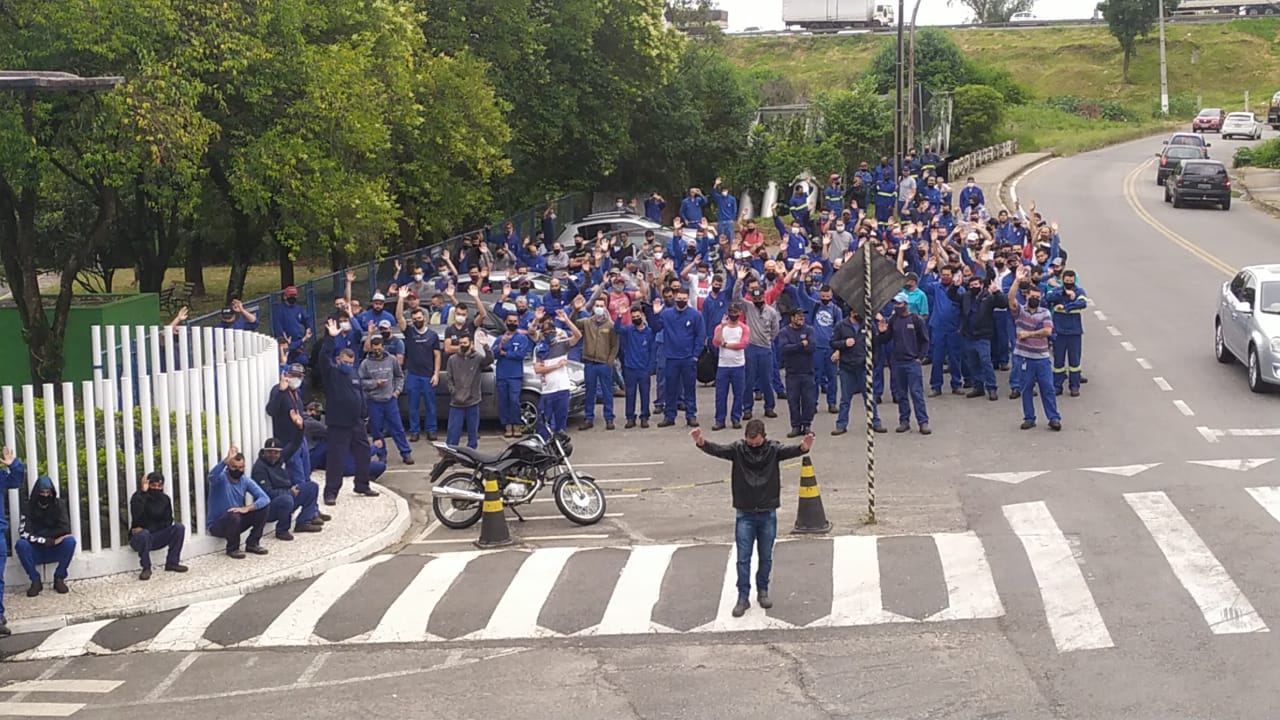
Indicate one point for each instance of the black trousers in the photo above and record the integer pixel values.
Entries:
(231, 525)
(801, 398)
(344, 442)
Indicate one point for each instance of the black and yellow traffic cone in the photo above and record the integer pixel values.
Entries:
(810, 517)
(493, 521)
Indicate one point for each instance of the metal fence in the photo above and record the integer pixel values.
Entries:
(966, 164)
(159, 401)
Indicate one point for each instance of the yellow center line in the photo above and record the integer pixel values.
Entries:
(1131, 196)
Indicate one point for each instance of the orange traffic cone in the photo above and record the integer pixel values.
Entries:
(810, 516)
(493, 521)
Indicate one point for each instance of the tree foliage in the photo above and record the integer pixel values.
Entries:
(978, 111)
(941, 66)
(988, 12)
(1129, 20)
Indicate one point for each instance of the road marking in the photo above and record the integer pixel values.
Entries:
(971, 590)
(1100, 315)
(756, 617)
(1115, 332)
(406, 620)
(1214, 435)
(617, 464)
(297, 623)
(313, 668)
(1128, 346)
(607, 497)
(70, 641)
(586, 536)
(63, 686)
(1183, 408)
(1208, 434)
(1122, 470)
(1013, 184)
(17, 709)
(186, 631)
(1162, 384)
(561, 517)
(1144, 363)
(54, 668)
(1069, 607)
(623, 480)
(1268, 498)
(1240, 465)
(159, 690)
(630, 608)
(448, 541)
(855, 584)
(516, 615)
(1224, 606)
(1131, 197)
(1011, 478)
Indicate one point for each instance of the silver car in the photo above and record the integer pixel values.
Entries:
(1242, 124)
(1247, 325)
(614, 221)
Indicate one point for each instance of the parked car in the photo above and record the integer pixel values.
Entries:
(1209, 120)
(1190, 139)
(1199, 181)
(1247, 324)
(1023, 17)
(615, 221)
(1171, 160)
(1242, 124)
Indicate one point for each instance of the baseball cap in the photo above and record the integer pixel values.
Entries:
(376, 339)
(272, 444)
(1057, 262)
(384, 324)
(296, 369)
(795, 311)
(900, 297)
(913, 276)
(379, 296)
(291, 291)
(228, 311)
(972, 236)
(835, 176)
(757, 294)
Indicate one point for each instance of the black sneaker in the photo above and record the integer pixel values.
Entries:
(1015, 394)
(992, 395)
(903, 428)
(1055, 425)
(175, 567)
(692, 422)
(255, 549)
(924, 429)
(407, 459)
(644, 424)
(608, 425)
(666, 423)
(431, 436)
(737, 425)
(717, 426)
(308, 527)
(629, 424)
(1084, 379)
(976, 393)
(285, 536)
(414, 437)
(741, 608)
(35, 588)
(935, 392)
(782, 396)
(839, 431)
(324, 518)
(331, 501)
(1027, 424)
(770, 413)
(795, 432)
(833, 409)
(758, 396)
(368, 492)
(145, 574)
(762, 598)
(1075, 393)
(4, 629)
(238, 554)
(1057, 391)
(746, 415)
(879, 428)
(586, 425)
(957, 391)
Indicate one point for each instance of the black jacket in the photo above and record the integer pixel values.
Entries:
(150, 511)
(853, 359)
(279, 403)
(43, 523)
(344, 400)
(980, 323)
(273, 479)
(757, 483)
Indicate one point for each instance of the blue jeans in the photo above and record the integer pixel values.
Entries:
(945, 346)
(1015, 373)
(554, 409)
(31, 555)
(682, 375)
(468, 416)
(724, 227)
(759, 365)
(637, 383)
(420, 391)
(854, 382)
(775, 372)
(1038, 373)
(508, 390)
(384, 420)
(759, 529)
(727, 378)
(660, 370)
(977, 353)
(599, 379)
(880, 362)
(171, 537)
(908, 385)
(824, 376)
(282, 506)
(1066, 360)
(1000, 339)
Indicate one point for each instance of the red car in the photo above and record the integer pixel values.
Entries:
(1209, 120)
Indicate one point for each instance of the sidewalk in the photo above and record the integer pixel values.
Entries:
(360, 527)
(993, 178)
(1262, 186)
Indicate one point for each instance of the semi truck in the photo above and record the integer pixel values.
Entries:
(833, 15)
(1243, 8)
(1273, 112)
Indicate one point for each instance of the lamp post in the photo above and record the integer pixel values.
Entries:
(1164, 67)
(898, 135)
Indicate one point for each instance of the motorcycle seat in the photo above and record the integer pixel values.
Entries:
(480, 458)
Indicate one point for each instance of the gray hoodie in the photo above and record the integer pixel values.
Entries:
(385, 368)
(464, 376)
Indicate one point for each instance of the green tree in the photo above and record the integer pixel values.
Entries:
(857, 123)
(978, 113)
(1129, 20)
(940, 63)
(987, 12)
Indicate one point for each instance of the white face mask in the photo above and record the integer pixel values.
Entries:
(295, 383)
(344, 326)
(598, 311)
(417, 277)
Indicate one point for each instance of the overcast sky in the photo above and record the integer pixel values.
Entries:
(767, 14)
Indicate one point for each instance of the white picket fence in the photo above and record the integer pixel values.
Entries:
(157, 401)
(961, 167)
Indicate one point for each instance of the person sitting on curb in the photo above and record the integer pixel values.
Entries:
(273, 476)
(45, 537)
(229, 514)
(13, 475)
(317, 439)
(152, 526)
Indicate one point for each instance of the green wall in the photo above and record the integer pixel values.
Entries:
(139, 309)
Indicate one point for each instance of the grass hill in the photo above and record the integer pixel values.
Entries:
(1215, 62)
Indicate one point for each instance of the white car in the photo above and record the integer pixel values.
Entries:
(1023, 17)
(1242, 124)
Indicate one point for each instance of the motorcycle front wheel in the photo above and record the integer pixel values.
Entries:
(582, 501)
(454, 513)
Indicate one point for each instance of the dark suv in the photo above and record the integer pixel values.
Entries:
(1199, 181)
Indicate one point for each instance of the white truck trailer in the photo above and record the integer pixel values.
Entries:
(833, 15)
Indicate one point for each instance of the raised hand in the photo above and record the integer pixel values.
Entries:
(6, 456)
(696, 434)
(403, 292)
(284, 381)
(473, 290)
(807, 443)
(351, 276)
(332, 327)
(182, 314)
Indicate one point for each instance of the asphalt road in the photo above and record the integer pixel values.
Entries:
(1118, 569)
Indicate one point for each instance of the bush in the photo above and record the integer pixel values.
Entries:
(1243, 157)
(1092, 109)
(1180, 106)
(1116, 112)
(978, 118)
(1266, 155)
(1001, 80)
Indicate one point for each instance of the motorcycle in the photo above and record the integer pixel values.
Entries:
(522, 469)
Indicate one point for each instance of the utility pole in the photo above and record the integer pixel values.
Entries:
(1164, 67)
(898, 139)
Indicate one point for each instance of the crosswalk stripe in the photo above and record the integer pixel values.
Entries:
(95, 687)
(1224, 607)
(756, 618)
(24, 709)
(1073, 616)
(296, 624)
(630, 608)
(1268, 498)
(516, 615)
(70, 641)
(406, 620)
(185, 632)
(971, 590)
(855, 584)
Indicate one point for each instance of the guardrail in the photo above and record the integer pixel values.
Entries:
(1172, 20)
(965, 164)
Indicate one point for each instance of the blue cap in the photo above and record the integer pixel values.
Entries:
(900, 297)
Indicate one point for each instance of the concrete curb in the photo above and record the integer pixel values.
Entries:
(1267, 206)
(381, 540)
(1006, 193)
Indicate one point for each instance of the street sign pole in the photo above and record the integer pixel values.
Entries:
(868, 395)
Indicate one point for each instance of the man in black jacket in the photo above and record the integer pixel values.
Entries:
(45, 537)
(977, 327)
(345, 418)
(287, 496)
(152, 526)
(757, 492)
(849, 348)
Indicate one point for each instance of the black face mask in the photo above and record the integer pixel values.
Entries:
(1033, 303)
(291, 301)
(386, 335)
(733, 317)
(717, 288)
(975, 289)
(759, 304)
(771, 276)
(155, 492)
(1068, 285)
(682, 304)
(513, 326)
(555, 293)
(235, 474)
(999, 265)
(44, 501)
(419, 324)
